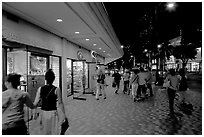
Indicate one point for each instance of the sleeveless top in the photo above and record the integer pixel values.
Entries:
(49, 98)
(101, 78)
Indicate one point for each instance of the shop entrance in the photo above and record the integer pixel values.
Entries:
(80, 78)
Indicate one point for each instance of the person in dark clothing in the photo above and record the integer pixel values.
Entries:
(117, 78)
(49, 96)
(171, 91)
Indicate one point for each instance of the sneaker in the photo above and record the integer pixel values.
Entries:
(97, 99)
(104, 97)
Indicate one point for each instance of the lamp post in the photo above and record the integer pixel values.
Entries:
(169, 6)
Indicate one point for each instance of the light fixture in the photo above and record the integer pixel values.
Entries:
(94, 44)
(77, 32)
(104, 51)
(59, 20)
(100, 48)
(171, 6)
(87, 39)
(122, 46)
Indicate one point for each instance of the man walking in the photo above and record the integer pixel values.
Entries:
(117, 78)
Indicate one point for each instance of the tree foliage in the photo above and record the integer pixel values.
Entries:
(185, 51)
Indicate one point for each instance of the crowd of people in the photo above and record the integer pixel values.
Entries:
(140, 84)
(137, 82)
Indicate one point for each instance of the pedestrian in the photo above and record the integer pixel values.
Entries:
(50, 95)
(126, 77)
(142, 84)
(134, 83)
(101, 84)
(149, 81)
(117, 78)
(13, 101)
(172, 88)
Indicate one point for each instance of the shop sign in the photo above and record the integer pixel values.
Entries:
(80, 55)
(93, 54)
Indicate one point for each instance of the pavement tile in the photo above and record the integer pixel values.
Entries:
(119, 115)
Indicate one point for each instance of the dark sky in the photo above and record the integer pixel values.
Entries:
(126, 19)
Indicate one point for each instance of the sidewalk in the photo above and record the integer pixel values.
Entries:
(119, 115)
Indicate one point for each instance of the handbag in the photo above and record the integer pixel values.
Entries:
(64, 126)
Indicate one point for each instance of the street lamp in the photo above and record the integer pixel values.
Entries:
(171, 6)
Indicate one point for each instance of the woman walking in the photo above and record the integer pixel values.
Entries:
(49, 96)
(13, 101)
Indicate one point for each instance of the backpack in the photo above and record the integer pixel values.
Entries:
(183, 84)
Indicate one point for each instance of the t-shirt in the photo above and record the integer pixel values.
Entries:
(13, 105)
(142, 78)
(174, 81)
(126, 76)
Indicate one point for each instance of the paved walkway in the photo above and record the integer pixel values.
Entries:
(119, 115)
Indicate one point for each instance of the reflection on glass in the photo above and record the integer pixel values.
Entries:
(55, 66)
(69, 76)
(86, 74)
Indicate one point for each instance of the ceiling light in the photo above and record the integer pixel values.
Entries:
(100, 48)
(59, 20)
(94, 44)
(77, 32)
(87, 39)
(104, 51)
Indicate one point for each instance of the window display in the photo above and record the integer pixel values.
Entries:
(69, 77)
(77, 76)
(55, 66)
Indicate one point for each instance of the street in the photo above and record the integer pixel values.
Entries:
(119, 115)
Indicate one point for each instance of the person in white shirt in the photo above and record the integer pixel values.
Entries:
(134, 83)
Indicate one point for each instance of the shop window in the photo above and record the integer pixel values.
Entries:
(55, 66)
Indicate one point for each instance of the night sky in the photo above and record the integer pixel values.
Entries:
(128, 19)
